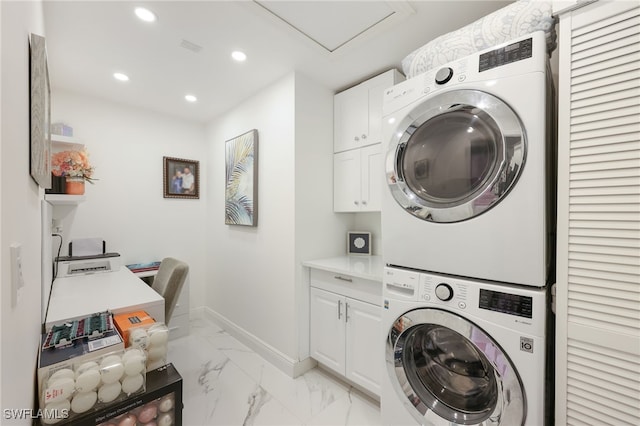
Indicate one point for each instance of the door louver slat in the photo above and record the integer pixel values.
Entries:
(598, 238)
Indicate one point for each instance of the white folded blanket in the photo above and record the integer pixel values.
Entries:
(520, 18)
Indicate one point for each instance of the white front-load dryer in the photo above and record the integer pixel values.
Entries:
(463, 352)
(469, 165)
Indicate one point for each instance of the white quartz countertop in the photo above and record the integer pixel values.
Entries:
(361, 266)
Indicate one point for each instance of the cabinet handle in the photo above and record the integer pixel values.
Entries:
(339, 309)
(338, 277)
(364, 202)
(346, 312)
(356, 203)
(364, 136)
(356, 138)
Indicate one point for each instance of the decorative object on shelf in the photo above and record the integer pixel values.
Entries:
(358, 242)
(40, 110)
(58, 185)
(241, 180)
(181, 178)
(74, 166)
(74, 185)
(61, 129)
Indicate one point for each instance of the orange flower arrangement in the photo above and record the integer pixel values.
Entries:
(72, 164)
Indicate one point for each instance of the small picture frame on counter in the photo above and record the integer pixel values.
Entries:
(359, 242)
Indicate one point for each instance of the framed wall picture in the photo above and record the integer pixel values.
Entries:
(241, 180)
(181, 178)
(40, 113)
(358, 242)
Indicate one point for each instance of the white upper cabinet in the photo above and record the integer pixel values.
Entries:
(357, 164)
(357, 179)
(358, 112)
(351, 119)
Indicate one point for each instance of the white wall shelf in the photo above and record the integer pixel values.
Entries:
(65, 143)
(64, 199)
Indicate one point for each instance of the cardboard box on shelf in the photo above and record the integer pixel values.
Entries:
(126, 323)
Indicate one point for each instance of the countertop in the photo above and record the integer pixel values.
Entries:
(361, 266)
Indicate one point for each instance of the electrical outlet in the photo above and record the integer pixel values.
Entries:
(17, 280)
(56, 226)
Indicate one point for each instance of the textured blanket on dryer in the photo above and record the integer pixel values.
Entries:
(518, 19)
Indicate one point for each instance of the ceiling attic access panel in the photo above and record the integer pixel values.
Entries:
(336, 25)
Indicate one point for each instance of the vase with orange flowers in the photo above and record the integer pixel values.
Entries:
(75, 167)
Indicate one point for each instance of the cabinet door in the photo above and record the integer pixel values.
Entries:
(371, 179)
(376, 94)
(351, 118)
(327, 329)
(346, 181)
(598, 274)
(364, 360)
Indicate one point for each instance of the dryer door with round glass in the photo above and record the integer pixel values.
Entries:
(455, 155)
(447, 370)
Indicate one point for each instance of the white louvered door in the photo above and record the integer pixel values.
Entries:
(598, 277)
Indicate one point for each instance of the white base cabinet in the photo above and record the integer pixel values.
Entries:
(344, 331)
(179, 322)
(328, 329)
(362, 366)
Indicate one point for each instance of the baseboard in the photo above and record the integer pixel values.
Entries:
(283, 362)
(196, 313)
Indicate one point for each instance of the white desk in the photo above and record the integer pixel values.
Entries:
(120, 291)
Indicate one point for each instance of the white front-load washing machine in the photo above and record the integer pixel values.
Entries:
(463, 352)
(469, 159)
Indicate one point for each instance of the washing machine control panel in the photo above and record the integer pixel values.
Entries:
(444, 292)
(401, 284)
(449, 292)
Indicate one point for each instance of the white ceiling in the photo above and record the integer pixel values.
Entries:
(344, 43)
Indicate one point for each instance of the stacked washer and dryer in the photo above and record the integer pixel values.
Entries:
(468, 225)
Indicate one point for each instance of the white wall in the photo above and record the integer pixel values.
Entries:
(255, 279)
(126, 206)
(250, 273)
(20, 222)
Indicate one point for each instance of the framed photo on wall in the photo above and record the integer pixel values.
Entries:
(181, 178)
(40, 113)
(241, 180)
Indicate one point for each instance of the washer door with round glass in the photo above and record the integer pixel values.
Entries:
(449, 371)
(455, 156)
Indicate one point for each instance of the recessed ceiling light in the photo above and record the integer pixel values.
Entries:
(190, 98)
(239, 56)
(145, 14)
(120, 76)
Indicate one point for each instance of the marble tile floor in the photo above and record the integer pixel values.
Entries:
(226, 383)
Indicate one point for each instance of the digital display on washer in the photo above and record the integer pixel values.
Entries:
(506, 303)
(505, 55)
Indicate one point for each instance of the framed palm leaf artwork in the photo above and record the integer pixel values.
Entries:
(241, 175)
